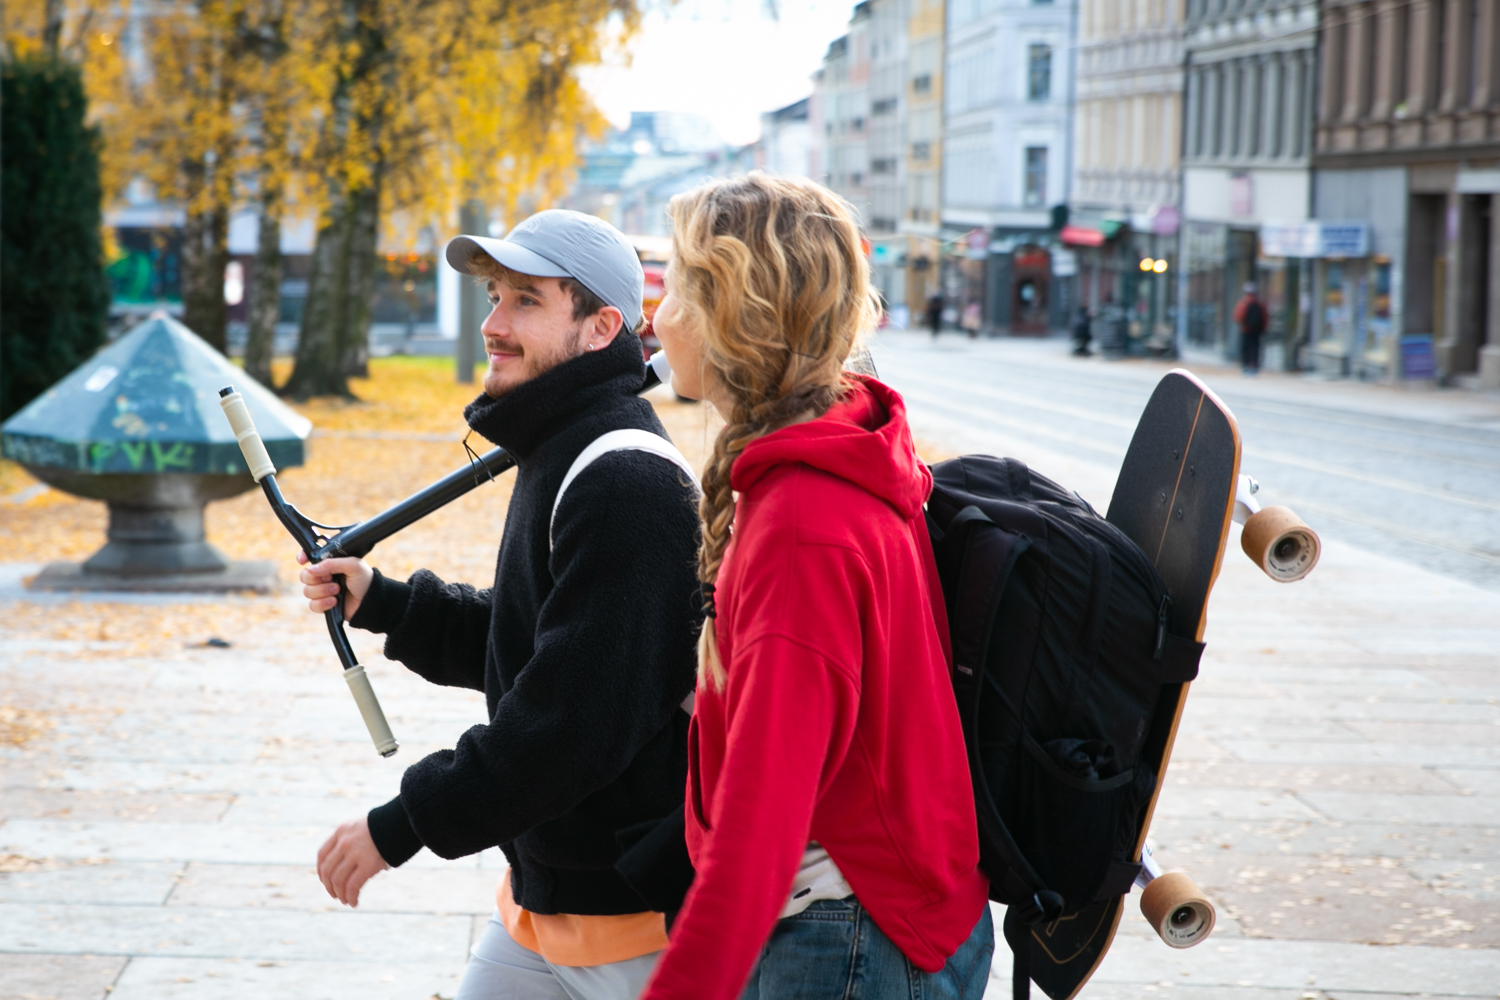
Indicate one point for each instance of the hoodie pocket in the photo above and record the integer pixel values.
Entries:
(694, 780)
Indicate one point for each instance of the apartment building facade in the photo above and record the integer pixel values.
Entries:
(1007, 143)
(1408, 143)
(887, 39)
(923, 150)
(842, 97)
(1124, 217)
(1247, 169)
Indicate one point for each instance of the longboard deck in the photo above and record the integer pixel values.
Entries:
(1175, 499)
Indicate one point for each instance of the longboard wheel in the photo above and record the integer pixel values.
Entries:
(1174, 905)
(1281, 544)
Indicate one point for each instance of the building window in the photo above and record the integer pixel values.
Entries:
(1038, 72)
(856, 179)
(922, 84)
(858, 124)
(883, 225)
(921, 151)
(1036, 177)
(883, 107)
(884, 166)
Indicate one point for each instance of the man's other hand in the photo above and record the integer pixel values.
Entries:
(322, 593)
(349, 859)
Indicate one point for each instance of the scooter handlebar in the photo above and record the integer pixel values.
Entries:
(257, 459)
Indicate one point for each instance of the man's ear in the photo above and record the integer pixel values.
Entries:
(602, 328)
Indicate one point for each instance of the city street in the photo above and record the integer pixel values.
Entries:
(1414, 475)
(1335, 788)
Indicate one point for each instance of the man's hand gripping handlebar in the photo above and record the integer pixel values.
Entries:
(321, 541)
(313, 538)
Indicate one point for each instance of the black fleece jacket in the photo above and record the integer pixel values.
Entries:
(584, 649)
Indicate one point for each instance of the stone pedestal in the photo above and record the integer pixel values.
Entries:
(156, 540)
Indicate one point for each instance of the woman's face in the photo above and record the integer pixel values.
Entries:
(683, 344)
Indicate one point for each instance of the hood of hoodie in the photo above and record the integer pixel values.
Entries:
(864, 439)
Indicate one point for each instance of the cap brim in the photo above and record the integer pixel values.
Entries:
(514, 256)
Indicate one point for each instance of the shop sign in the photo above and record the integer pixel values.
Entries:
(1165, 220)
(1064, 263)
(1207, 243)
(1416, 357)
(1315, 239)
(978, 242)
(1241, 195)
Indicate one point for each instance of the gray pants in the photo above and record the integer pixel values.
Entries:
(500, 969)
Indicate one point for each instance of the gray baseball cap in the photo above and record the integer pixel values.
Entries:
(559, 243)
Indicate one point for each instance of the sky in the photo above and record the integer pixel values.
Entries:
(728, 60)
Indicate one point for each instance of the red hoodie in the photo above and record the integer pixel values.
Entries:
(837, 723)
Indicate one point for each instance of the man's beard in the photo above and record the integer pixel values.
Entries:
(535, 364)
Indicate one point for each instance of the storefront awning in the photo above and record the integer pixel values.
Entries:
(1082, 236)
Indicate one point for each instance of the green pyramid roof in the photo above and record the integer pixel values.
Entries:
(149, 403)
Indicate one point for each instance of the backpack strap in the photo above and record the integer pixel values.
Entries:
(986, 567)
(628, 439)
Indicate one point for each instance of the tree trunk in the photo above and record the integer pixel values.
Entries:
(205, 254)
(319, 370)
(364, 231)
(265, 296)
(52, 27)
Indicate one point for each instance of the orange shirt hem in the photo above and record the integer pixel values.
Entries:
(572, 939)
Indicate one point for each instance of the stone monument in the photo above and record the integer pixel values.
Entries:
(139, 426)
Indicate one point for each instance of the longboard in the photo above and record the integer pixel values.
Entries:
(1174, 498)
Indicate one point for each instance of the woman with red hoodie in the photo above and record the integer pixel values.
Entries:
(830, 817)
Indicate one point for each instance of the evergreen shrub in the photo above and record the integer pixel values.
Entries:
(54, 298)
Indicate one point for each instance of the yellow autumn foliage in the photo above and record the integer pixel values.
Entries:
(216, 102)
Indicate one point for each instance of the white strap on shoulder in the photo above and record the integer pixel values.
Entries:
(629, 439)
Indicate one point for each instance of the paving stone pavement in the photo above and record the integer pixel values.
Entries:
(1334, 789)
(158, 839)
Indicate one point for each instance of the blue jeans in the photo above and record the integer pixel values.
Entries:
(833, 951)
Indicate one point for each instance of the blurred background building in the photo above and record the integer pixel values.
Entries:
(1124, 217)
(1247, 158)
(923, 151)
(1007, 145)
(1018, 159)
(1408, 145)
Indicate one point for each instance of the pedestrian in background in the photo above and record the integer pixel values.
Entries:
(971, 321)
(935, 313)
(826, 751)
(1251, 317)
(1082, 333)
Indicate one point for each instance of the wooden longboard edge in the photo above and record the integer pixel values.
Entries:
(1109, 939)
(1234, 427)
(1166, 756)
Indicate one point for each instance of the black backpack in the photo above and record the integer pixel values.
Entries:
(1061, 650)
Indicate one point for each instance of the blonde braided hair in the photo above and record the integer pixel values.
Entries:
(771, 273)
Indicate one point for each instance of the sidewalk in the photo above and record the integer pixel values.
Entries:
(1335, 789)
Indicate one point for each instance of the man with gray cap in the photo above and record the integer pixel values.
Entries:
(584, 647)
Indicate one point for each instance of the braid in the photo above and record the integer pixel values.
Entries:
(771, 271)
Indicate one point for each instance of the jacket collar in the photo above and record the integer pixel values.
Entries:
(526, 417)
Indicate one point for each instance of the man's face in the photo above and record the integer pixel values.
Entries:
(529, 330)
